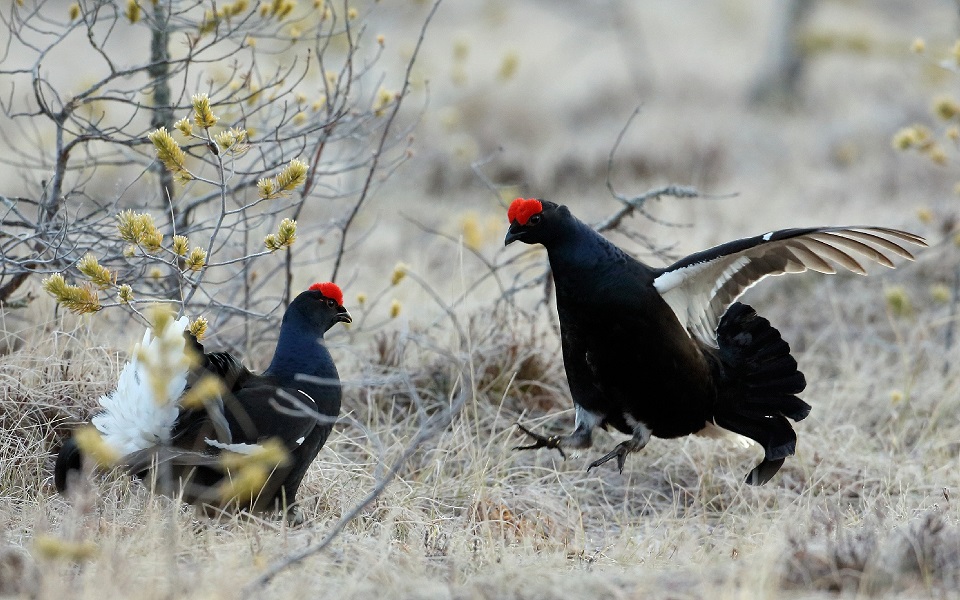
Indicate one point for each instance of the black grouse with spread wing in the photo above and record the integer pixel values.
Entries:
(669, 352)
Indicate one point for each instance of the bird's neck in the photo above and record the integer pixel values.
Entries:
(581, 248)
(300, 349)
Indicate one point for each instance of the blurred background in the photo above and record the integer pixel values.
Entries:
(783, 112)
(779, 113)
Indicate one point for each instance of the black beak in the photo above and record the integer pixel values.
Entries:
(515, 232)
(343, 316)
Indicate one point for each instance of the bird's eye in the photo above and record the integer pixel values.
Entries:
(534, 219)
(332, 303)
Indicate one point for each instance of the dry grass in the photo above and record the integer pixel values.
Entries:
(868, 506)
(865, 506)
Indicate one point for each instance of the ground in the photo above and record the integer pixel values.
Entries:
(866, 505)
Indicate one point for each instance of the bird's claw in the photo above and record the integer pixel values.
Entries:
(620, 453)
(541, 441)
(295, 516)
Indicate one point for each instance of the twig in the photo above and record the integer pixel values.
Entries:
(378, 153)
(637, 203)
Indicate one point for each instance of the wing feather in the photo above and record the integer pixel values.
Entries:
(835, 254)
(701, 287)
(852, 244)
(809, 259)
(886, 244)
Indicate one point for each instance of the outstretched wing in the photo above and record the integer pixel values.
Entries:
(700, 287)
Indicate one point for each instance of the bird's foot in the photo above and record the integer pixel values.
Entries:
(620, 453)
(540, 441)
(295, 516)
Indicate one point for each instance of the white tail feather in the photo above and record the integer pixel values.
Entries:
(135, 416)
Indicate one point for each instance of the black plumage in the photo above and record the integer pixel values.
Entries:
(668, 351)
(295, 402)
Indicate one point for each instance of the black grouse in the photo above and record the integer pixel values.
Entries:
(295, 402)
(669, 352)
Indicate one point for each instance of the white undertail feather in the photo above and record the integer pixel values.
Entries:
(713, 431)
(141, 412)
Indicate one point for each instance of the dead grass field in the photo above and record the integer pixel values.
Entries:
(870, 506)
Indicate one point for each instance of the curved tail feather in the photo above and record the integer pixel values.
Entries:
(758, 384)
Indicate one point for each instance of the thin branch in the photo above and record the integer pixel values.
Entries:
(383, 140)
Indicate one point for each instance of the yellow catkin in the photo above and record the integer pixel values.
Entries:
(184, 126)
(383, 99)
(199, 327)
(471, 231)
(286, 235)
(206, 389)
(152, 241)
(940, 293)
(197, 259)
(266, 188)
(898, 301)
(249, 472)
(937, 154)
(125, 294)
(54, 548)
(133, 11)
(290, 178)
(181, 245)
(399, 272)
(508, 66)
(945, 107)
(91, 443)
(170, 153)
(99, 275)
(202, 113)
(75, 298)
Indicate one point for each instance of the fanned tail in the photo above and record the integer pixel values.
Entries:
(143, 409)
(758, 384)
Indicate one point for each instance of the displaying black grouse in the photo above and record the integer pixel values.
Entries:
(295, 401)
(669, 352)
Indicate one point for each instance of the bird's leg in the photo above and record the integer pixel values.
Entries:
(641, 435)
(582, 436)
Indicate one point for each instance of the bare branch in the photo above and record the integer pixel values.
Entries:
(378, 153)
